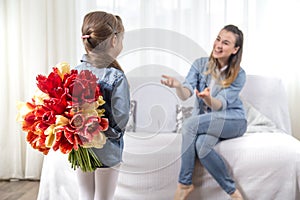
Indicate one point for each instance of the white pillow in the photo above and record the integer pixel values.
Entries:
(257, 122)
(268, 95)
(182, 112)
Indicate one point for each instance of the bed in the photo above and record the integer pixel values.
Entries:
(265, 162)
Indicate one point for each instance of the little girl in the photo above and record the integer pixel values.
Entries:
(102, 35)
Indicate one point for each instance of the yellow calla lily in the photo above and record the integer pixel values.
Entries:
(100, 112)
(50, 136)
(51, 130)
(23, 109)
(101, 101)
(61, 120)
(90, 109)
(39, 97)
(63, 68)
(98, 141)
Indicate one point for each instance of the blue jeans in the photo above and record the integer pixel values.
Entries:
(200, 134)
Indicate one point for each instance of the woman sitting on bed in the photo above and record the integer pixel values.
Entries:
(218, 113)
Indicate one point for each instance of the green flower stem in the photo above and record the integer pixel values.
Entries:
(84, 158)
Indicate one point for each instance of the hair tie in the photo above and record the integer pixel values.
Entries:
(85, 36)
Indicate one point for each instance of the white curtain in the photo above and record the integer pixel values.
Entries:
(36, 34)
(270, 30)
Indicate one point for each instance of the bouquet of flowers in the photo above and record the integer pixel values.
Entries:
(66, 114)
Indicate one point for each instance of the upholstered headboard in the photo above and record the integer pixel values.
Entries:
(155, 108)
(156, 103)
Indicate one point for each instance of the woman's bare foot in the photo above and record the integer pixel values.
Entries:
(183, 191)
(236, 195)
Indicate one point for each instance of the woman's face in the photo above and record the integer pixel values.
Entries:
(224, 46)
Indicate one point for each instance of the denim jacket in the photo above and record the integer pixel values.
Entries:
(115, 90)
(232, 106)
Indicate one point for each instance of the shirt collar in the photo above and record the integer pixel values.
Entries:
(84, 58)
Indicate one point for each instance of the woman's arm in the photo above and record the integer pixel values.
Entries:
(225, 96)
(182, 92)
(211, 102)
(230, 94)
(192, 80)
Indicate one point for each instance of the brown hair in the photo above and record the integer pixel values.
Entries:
(234, 60)
(99, 26)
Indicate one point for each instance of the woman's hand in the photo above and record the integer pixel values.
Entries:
(204, 94)
(211, 102)
(182, 92)
(170, 82)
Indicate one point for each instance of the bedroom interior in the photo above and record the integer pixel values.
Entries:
(152, 150)
(267, 156)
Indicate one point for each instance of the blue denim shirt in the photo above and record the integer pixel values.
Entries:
(115, 90)
(232, 106)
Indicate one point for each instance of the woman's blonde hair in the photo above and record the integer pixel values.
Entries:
(234, 61)
(97, 29)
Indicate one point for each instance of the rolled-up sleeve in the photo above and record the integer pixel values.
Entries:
(191, 79)
(195, 76)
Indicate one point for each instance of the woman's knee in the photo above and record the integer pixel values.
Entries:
(190, 125)
(204, 145)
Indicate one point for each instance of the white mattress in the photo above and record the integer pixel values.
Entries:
(151, 166)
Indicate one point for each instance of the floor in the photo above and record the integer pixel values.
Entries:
(19, 190)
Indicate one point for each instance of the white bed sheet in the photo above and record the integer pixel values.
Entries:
(151, 166)
(276, 155)
(265, 166)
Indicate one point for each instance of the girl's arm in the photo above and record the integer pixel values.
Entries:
(120, 103)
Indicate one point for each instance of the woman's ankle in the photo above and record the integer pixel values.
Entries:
(183, 191)
(236, 195)
(183, 186)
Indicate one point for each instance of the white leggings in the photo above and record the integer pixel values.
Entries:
(98, 185)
